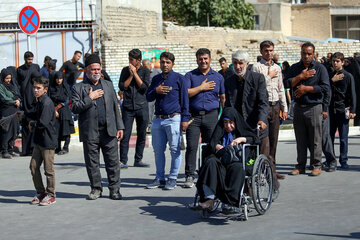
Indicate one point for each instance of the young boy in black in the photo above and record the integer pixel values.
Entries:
(45, 139)
(342, 104)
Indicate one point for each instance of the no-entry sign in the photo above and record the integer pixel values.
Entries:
(29, 20)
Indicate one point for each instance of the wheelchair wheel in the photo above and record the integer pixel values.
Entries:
(262, 184)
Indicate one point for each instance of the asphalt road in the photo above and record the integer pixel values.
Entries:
(324, 207)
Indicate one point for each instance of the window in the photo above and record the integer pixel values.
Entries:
(346, 27)
(257, 23)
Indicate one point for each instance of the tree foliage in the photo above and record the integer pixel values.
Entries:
(222, 13)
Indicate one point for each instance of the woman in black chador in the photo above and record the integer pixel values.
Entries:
(9, 104)
(219, 176)
(60, 95)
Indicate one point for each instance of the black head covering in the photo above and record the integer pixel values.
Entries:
(59, 93)
(12, 87)
(93, 58)
(242, 129)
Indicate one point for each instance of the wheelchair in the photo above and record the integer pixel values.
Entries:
(258, 187)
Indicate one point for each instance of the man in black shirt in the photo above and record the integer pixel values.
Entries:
(342, 105)
(134, 81)
(71, 68)
(309, 80)
(225, 71)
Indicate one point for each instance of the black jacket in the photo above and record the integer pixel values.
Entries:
(24, 76)
(343, 93)
(255, 103)
(134, 96)
(88, 114)
(43, 123)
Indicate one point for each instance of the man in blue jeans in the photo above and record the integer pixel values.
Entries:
(342, 105)
(171, 117)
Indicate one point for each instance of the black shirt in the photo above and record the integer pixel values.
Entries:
(71, 71)
(100, 105)
(134, 96)
(320, 82)
(228, 73)
(43, 123)
(343, 93)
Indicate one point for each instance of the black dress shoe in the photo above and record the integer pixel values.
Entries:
(62, 152)
(115, 195)
(14, 154)
(141, 164)
(6, 155)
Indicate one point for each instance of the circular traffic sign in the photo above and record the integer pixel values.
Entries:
(29, 20)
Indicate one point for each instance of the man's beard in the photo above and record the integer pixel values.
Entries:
(94, 77)
(242, 73)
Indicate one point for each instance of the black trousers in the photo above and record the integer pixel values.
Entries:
(225, 181)
(7, 139)
(27, 138)
(204, 124)
(327, 143)
(66, 143)
(108, 146)
(141, 117)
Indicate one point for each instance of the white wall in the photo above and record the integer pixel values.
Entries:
(49, 11)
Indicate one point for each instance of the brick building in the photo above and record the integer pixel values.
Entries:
(317, 19)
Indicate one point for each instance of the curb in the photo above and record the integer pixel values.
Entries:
(284, 135)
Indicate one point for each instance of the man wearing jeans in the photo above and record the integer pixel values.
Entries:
(134, 81)
(342, 106)
(171, 117)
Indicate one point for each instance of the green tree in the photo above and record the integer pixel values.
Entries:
(219, 13)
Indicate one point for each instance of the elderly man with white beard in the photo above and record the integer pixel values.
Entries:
(100, 126)
(246, 92)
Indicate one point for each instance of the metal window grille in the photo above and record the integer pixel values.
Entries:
(4, 27)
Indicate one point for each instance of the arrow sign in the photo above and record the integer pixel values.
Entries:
(29, 20)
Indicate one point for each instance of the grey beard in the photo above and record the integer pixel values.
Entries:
(242, 73)
(95, 77)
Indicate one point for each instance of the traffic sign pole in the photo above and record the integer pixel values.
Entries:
(28, 43)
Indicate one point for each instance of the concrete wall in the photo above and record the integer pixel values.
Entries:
(120, 22)
(136, 11)
(49, 11)
(311, 21)
(274, 16)
(214, 37)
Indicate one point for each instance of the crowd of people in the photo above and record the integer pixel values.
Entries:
(242, 103)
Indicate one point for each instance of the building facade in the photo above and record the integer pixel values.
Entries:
(315, 19)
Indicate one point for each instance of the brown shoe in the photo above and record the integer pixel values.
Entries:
(297, 172)
(280, 176)
(208, 204)
(315, 172)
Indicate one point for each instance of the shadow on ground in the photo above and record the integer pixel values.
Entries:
(354, 235)
(9, 196)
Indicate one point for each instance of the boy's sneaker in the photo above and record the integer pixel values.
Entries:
(48, 200)
(189, 182)
(156, 183)
(170, 184)
(38, 198)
